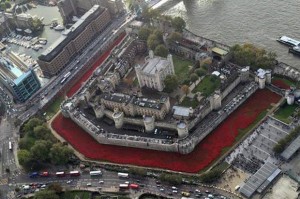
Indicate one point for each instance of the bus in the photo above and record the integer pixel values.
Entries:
(95, 173)
(10, 145)
(123, 175)
(134, 186)
(123, 186)
(74, 173)
(33, 175)
(60, 174)
(67, 75)
(44, 174)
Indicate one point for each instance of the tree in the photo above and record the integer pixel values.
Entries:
(56, 187)
(178, 23)
(7, 5)
(37, 24)
(159, 35)
(40, 150)
(194, 77)
(144, 33)
(60, 154)
(161, 51)
(200, 72)
(137, 171)
(171, 178)
(46, 194)
(152, 42)
(26, 143)
(171, 83)
(211, 176)
(24, 157)
(175, 37)
(185, 89)
(42, 132)
(29, 126)
(249, 55)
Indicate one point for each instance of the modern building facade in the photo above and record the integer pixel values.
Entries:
(73, 40)
(17, 78)
(154, 71)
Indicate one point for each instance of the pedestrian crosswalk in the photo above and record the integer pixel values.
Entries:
(3, 181)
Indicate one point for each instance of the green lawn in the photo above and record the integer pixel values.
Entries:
(54, 107)
(284, 112)
(187, 102)
(182, 68)
(208, 85)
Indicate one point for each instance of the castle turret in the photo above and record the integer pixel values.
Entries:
(182, 129)
(290, 99)
(262, 82)
(118, 117)
(245, 74)
(268, 76)
(99, 111)
(216, 100)
(149, 122)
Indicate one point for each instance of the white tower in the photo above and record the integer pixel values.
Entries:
(149, 123)
(182, 129)
(118, 117)
(262, 82)
(268, 76)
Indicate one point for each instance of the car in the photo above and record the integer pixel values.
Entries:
(43, 186)
(127, 182)
(89, 184)
(175, 191)
(162, 189)
(69, 181)
(101, 182)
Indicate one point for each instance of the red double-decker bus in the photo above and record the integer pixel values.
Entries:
(133, 186)
(44, 174)
(74, 173)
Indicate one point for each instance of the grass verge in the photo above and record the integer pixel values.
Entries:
(53, 108)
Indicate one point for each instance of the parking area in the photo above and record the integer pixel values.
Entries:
(258, 147)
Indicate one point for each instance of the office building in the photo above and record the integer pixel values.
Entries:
(16, 77)
(73, 40)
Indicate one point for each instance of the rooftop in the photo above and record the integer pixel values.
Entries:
(69, 34)
(154, 65)
(138, 101)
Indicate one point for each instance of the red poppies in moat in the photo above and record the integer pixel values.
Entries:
(204, 154)
(280, 84)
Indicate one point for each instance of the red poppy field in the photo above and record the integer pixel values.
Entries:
(204, 154)
(78, 84)
(280, 84)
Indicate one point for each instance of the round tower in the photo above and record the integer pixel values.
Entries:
(290, 99)
(118, 117)
(262, 82)
(268, 76)
(182, 129)
(149, 122)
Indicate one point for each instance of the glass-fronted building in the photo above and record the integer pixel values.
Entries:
(19, 80)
